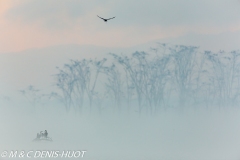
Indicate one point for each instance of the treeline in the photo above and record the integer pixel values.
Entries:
(167, 76)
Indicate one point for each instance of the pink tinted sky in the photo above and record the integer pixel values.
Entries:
(26, 24)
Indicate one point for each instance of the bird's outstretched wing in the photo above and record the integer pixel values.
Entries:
(110, 18)
(101, 18)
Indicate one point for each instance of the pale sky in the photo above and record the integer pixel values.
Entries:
(26, 24)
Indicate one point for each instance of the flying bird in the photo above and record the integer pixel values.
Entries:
(106, 19)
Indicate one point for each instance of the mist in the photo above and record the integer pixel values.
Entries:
(192, 134)
(126, 117)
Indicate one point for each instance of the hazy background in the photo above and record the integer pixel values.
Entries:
(36, 24)
(36, 36)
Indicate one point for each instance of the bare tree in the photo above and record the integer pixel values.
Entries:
(91, 81)
(224, 76)
(184, 62)
(65, 83)
(114, 84)
(81, 74)
(135, 68)
(159, 77)
(32, 95)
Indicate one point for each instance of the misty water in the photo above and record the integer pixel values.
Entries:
(207, 134)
